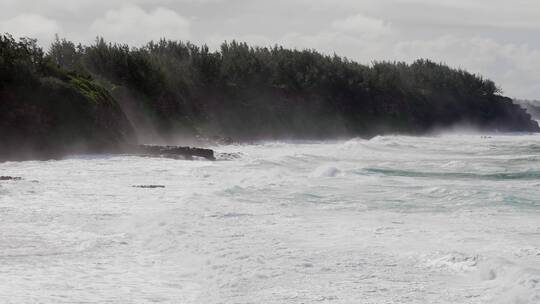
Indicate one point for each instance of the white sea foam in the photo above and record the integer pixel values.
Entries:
(326, 171)
(441, 219)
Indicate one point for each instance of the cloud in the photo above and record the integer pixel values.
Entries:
(519, 14)
(31, 25)
(135, 26)
(514, 66)
(363, 25)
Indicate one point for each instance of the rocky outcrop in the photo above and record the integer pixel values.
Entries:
(56, 117)
(171, 152)
(10, 178)
(47, 112)
(149, 186)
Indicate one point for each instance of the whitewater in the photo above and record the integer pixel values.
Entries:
(395, 219)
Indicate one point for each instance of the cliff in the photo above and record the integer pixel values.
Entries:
(46, 112)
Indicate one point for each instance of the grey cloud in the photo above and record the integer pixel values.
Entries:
(30, 25)
(363, 25)
(133, 25)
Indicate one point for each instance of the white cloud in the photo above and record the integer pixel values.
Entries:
(134, 26)
(363, 25)
(515, 14)
(514, 66)
(497, 13)
(31, 25)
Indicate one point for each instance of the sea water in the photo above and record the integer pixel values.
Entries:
(394, 219)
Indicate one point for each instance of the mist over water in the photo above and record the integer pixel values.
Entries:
(395, 219)
(532, 107)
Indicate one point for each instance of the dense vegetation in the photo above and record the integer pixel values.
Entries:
(46, 111)
(171, 88)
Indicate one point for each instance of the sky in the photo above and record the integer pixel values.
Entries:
(498, 39)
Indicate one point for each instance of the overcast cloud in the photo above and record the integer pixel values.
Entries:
(496, 38)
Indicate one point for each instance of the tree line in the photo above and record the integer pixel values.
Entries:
(249, 92)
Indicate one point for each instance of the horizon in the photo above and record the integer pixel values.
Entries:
(489, 38)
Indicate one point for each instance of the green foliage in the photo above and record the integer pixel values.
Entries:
(91, 90)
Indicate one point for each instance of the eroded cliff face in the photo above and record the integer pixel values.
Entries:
(47, 111)
(52, 117)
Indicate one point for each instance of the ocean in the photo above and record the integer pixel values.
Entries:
(449, 218)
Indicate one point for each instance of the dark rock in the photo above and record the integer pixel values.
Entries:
(172, 152)
(10, 178)
(149, 186)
